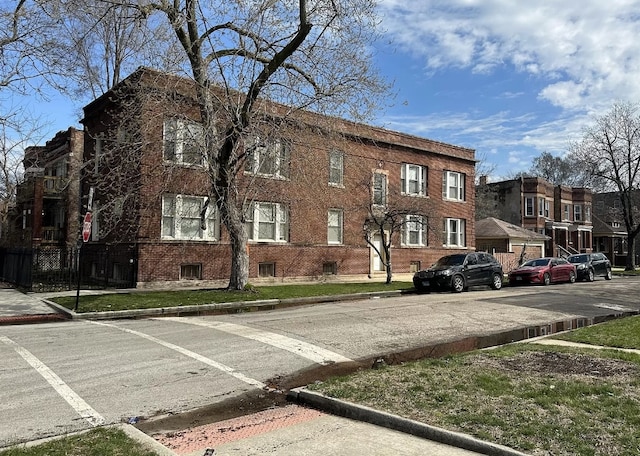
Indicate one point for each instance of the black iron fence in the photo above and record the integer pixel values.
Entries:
(56, 268)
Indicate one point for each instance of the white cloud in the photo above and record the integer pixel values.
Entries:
(588, 50)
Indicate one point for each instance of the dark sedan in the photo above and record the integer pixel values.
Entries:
(543, 271)
(590, 265)
(460, 271)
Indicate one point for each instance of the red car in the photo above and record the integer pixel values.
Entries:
(543, 271)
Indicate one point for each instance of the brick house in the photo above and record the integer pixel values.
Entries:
(47, 200)
(308, 185)
(560, 212)
(609, 230)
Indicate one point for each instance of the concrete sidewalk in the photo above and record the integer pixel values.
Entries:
(20, 308)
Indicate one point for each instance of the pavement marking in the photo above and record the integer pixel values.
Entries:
(309, 351)
(75, 401)
(190, 354)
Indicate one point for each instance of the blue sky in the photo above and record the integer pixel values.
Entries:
(508, 79)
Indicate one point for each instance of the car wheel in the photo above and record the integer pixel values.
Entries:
(457, 283)
(496, 284)
(609, 276)
(572, 277)
(590, 276)
(546, 279)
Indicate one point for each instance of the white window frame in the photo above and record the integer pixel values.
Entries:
(454, 232)
(567, 212)
(587, 212)
(182, 133)
(269, 159)
(379, 189)
(335, 226)
(577, 213)
(529, 206)
(267, 213)
(416, 174)
(541, 206)
(416, 224)
(453, 183)
(336, 168)
(175, 215)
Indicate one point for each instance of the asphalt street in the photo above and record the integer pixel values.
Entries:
(67, 376)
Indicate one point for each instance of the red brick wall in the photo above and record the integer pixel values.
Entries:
(307, 194)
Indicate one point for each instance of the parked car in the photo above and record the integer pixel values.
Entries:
(590, 265)
(544, 271)
(460, 271)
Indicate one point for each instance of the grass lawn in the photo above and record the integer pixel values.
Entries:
(97, 442)
(541, 400)
(155, 299)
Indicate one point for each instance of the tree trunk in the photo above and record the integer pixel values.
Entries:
(631, 260)
(239, 256)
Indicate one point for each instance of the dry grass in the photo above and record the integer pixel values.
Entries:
(543, 401)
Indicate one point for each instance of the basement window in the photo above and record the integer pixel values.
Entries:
(191, 271)
(330, 268)
(266, 270)
(414, 266)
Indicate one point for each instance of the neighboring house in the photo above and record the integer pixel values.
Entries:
(564, 214)
(307, 190)
(609, 231)
(48, 201)
(497, 236)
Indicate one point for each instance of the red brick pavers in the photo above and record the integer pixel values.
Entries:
(215, 434)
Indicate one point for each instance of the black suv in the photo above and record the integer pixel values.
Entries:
(459, 272)
(590, 265)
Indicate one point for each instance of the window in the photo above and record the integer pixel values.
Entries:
(414, 266)
(453, 186)
(269, 159)
(541, 207)
(379, 189)
(528, 206)
(181, 218)
(454, 232)
(415, 231)
(330, 268)
(336, 167)
(267, 222)
(587, 213)
(191, 271)
(266, 269)
(577, 212)
(184, 142)
(413, 179)
(567, 212)
(334, 226)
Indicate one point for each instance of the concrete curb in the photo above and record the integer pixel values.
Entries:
(397, 423)
(146, 441)
(217, 308)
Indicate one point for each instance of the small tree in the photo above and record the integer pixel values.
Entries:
(392, 217)
(610, 149)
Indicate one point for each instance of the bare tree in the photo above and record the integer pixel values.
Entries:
(102, 42)
(486, 195)
(562, 171)
(610, 149)
(302, 54)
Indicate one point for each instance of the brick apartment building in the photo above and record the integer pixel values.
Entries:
(47, 200)
(308, 188)
(562, 213)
